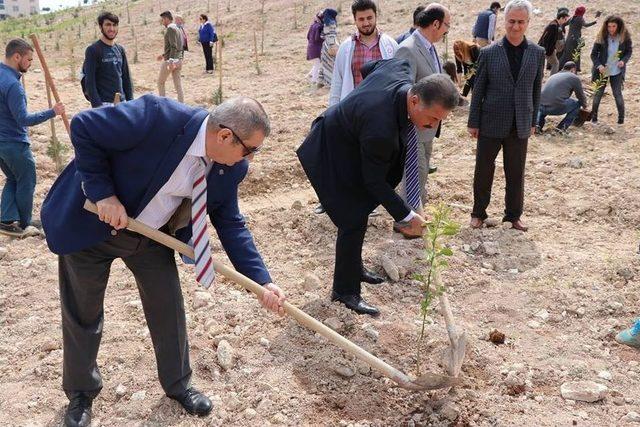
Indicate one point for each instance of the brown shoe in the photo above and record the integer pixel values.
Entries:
(476, 223)
(519, 225)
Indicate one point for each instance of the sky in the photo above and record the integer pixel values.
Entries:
(57, 4)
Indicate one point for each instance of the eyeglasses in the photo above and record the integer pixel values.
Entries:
(248, 150)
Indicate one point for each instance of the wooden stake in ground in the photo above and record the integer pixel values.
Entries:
(48, 78)
(255, 52)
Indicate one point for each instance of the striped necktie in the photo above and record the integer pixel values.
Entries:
(202, 251)
(412, 181)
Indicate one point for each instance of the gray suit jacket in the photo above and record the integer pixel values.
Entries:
(497, 97)
(422, 65)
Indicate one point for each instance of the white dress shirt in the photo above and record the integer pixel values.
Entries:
(179, 186)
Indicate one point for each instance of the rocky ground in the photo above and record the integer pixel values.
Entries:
(559, 292)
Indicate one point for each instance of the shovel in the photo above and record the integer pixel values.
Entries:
(454, 355)
(428, 381)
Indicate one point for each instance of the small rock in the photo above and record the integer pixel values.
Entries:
(584, 391)
(488, 266)
(486, 271)
(121, 390)
(344, 371)
(265, 342)
(491, 248)
(3, 252)
(390, 268)
(475, 246)
(581, 311)
(201, 299)
(626, 273)
(450, 411)
(466, 248)
(631, 417)
(139, 395)
(533, 324)
(26, 263)
(372, 333)
(513, 271)
(297, 205)
(576, 163)
(545, 169)
(496, 337)
(225, 355)
(50, 345)
(515, 383)
(279, 418)
(250, 413)
(491, 222)
(311, 282)
(543, 315)
(334, 323)
(608, 130)
(605, 375)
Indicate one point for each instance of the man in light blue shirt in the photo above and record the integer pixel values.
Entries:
(16, 160)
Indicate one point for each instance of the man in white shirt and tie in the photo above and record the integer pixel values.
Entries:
(149, 159)
(420, 51)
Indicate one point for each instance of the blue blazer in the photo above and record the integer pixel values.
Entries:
(131, 150)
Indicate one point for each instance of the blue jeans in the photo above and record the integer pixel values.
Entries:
(571, 108)
(18, 166)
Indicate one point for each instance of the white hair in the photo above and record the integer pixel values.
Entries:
(519, 5)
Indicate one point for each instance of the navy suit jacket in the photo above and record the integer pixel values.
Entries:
(354, 154)
(131, 150)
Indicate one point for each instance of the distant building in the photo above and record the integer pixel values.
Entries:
(17, 8)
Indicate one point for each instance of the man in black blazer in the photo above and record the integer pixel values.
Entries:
(503, 111)
(354, 158)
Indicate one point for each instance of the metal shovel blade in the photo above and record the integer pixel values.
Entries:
(454, 354)
(429, 381)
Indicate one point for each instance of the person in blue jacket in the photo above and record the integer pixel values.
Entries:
(207, 37)
(142, 159)
(16, 160)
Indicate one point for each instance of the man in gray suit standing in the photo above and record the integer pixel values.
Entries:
(420, 51)
(503, 112)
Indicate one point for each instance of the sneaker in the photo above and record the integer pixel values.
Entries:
(12, 229)
(631, 336)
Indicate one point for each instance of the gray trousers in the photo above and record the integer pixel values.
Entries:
(425, 147)
(83, 281)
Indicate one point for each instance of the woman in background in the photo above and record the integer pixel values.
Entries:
(207, 38)
(329, 46)
(314, 46)
(576, 23)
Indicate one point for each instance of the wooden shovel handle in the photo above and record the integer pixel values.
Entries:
(302, 317)
(48, 78)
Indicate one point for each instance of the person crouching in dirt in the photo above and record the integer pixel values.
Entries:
(167, 165)
(354, 157)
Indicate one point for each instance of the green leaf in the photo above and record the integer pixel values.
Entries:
(445, 252)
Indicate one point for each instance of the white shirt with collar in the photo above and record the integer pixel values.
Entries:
(179, 186)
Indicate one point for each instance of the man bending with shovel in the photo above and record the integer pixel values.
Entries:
(167, 165)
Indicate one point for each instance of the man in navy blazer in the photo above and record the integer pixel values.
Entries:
(135, 159)
(354, 157)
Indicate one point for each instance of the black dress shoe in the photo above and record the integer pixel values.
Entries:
(194, 402)
(433, 169)
(319, 210)
(78, 412)
(369, 276)
(355, 303)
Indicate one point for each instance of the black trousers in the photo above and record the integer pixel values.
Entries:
(514, 153)
(208, 56)
(616, 83)
(348, 267)
(83, 280)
